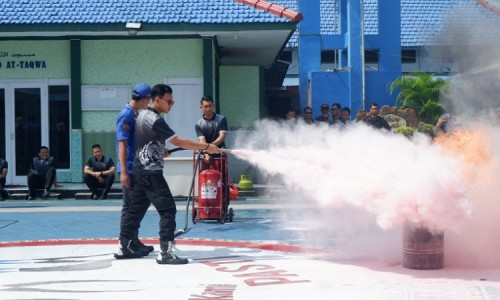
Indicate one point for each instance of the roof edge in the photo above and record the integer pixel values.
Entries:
(489, 6)
(277, 10)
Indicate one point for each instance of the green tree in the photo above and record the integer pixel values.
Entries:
(421, 91)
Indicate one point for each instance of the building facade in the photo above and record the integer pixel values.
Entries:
(345, 52)
(68, 67)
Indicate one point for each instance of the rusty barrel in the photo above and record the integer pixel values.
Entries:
(422, 249)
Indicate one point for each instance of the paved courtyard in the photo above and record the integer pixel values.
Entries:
(64, 250)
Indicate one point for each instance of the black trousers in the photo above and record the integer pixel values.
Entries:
(128, 195)
(36, 181)
(150, 189)
(3, 192)
(93, 183)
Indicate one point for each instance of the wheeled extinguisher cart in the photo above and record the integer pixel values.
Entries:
(212, 202)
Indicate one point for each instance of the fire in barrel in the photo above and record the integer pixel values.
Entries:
(422, 248)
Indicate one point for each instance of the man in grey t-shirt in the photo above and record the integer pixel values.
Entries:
(151, 134)
(212, 127)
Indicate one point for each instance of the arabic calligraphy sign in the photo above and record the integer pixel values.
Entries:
(20, 61)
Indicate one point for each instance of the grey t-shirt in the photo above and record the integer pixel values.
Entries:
(151, 133)
(211, 128)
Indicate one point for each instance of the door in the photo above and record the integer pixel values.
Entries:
(3, 129)
(187, 93)
(33, 114)
(28, 118)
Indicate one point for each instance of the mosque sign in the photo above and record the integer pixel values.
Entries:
(395, 121)
(21, 61)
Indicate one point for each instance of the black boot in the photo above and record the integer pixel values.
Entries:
(127, 249)
(167, 256)
(140, 245)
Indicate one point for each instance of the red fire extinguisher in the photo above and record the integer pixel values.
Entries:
(210, 194)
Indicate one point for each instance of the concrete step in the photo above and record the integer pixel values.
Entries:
(244, 194)
(86, 196)
(67, 191)
(24, 196)
(279, 194)
(81, 192)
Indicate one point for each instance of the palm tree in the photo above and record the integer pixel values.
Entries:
(421, 91)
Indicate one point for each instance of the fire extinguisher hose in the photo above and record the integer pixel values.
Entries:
(191, 192)
(175, 150)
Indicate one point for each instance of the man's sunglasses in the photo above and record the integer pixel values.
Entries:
(169, 102)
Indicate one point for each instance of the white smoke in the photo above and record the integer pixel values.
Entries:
(365, 183)
(366, 168)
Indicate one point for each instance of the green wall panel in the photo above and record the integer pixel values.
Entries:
(106, 62)
(100, 120)
(34, 59)
(240, 95)
(76, 154)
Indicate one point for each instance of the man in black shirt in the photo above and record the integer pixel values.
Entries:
(212, 127)
(373, 119)
(99, 173)
(151, 134)
(42, 173)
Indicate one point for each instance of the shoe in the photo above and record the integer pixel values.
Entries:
(127, 250)
(93, 196)
(140, 245)
(103, 197)
(31, 198)
(167, 256)
(46, 194)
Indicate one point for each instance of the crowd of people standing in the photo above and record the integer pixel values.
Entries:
(336, 115)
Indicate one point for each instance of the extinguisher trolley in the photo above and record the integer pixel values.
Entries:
(213, 189)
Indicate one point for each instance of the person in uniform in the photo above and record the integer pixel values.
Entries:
(125, 150)
(4, 169)
(99, 173)
(42, 173)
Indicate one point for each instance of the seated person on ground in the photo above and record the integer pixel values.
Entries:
(4, 167)
(42, 173)
(99, 173)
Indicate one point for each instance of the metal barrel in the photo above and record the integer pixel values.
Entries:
(422, 249)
